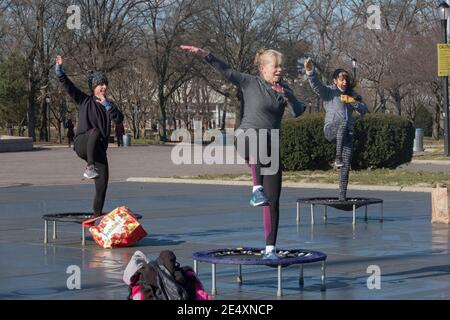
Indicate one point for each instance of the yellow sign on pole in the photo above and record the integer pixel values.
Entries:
(443, 60)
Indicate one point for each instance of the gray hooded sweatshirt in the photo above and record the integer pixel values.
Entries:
(336, 110)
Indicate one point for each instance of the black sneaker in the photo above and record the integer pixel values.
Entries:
(91, 172)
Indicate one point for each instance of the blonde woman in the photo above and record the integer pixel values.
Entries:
(264, 99)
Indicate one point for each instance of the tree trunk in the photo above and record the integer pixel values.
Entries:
(436, 122)
(398, 105)
(224, 115)
(31, 112)
(163, 116)
(43, 130)
(59, 132)
(174, 120)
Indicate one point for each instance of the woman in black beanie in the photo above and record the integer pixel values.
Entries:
(95, 113)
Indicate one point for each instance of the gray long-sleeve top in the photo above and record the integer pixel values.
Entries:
(263, 107)
(335, 109)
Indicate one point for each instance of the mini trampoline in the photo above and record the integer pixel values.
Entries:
(253, 256)
(86, 220)
(351, 204)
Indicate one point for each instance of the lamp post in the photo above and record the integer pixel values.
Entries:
(47, 100)
(443, 11)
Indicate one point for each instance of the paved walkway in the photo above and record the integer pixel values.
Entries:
(56, 166)
(59, 165)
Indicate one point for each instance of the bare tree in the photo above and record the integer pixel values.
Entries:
(167, 24)
(36, 30)
(235, 30)
(134, 89)
(107, 31)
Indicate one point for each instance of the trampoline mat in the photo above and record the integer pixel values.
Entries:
(345, 205)
(74, 217)
(253, 256)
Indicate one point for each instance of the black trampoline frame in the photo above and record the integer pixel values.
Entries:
(204, 256)
(363, 202)
(79, 218)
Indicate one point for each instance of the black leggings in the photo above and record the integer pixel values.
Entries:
(339, 134)
(93, 139)
(271, 184)
(83, 145)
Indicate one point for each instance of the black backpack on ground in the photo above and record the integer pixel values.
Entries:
(157, 283)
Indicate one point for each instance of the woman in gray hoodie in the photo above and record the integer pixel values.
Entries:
(339, 103)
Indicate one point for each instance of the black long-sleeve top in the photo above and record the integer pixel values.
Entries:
(91, 113)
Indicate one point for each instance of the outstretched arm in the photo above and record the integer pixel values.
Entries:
(316, 85)
(296, 107)
(71, 89)
(235, 77)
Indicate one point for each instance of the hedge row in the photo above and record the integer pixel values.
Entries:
(379, 141)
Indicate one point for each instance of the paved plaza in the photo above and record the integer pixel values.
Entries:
(411, 253)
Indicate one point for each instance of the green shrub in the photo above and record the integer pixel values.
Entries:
(424, 120)
(379, 141)
(382, 141)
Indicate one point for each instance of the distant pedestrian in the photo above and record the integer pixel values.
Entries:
(120, 131)
(70, 131)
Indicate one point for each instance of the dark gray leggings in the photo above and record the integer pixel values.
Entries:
(100, 160)
(339, 134)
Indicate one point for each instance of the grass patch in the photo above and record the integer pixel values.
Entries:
(146, 141)
(434, 150)
(384, 177)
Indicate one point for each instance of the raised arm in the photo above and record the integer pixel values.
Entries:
(316, 85)
(71, 89)
(235, 77)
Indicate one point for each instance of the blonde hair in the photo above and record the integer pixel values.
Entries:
(263, 55)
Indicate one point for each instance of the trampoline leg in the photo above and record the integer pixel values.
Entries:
(354, 214)
(301, 281)
(312, 214)
(196, 267)
(382, 213)
(365, 214)
(45, 231)
(322, 278)
(239, 277)
(54, 230)
(298, 212)
(213, 279)
(325, 217)
(83, 237)
(280, 289)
